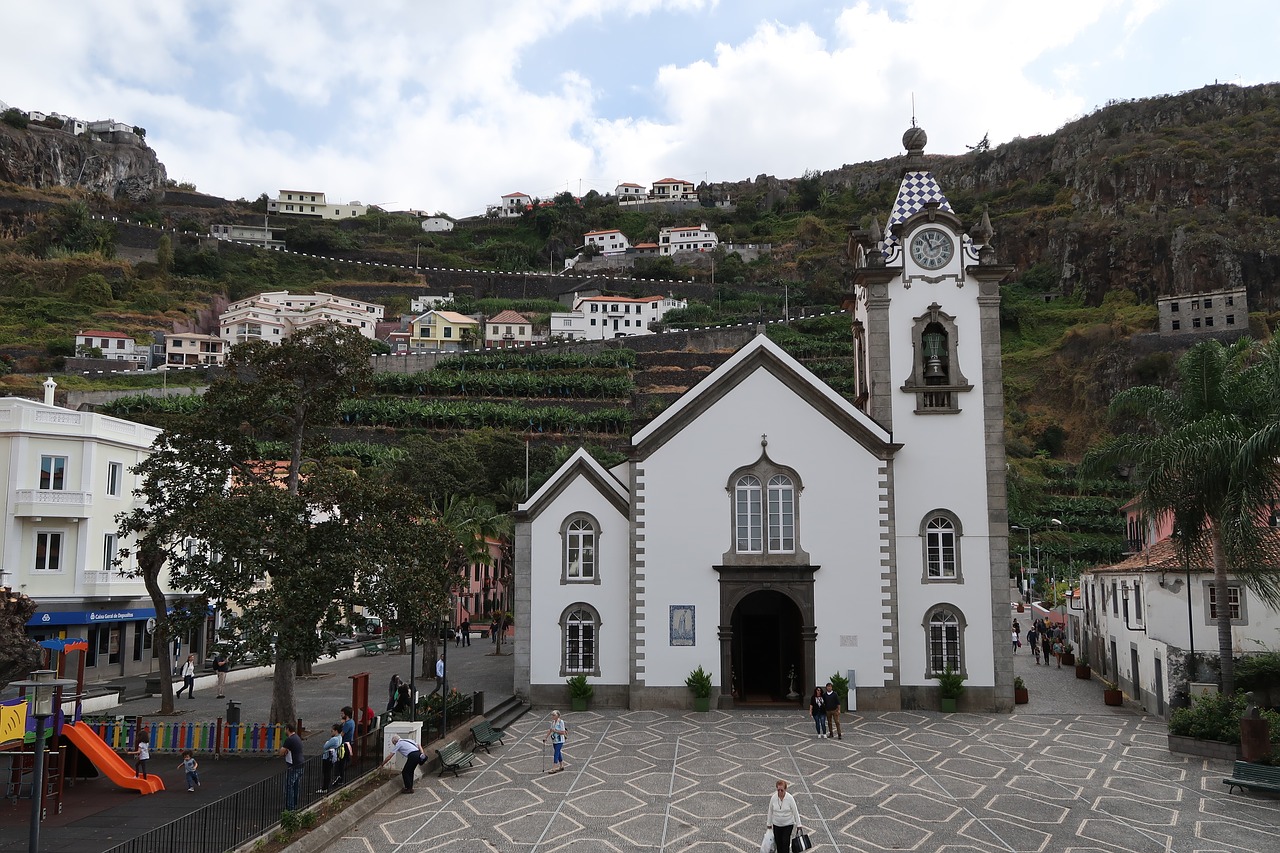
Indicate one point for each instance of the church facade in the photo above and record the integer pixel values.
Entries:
(775, 533)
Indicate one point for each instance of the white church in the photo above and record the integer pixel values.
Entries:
(774, 533)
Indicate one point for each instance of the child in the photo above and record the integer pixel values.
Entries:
(143, 751)
(329, 756)
(190, 765)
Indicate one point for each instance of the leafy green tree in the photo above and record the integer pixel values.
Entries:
(164, 254)
(15, 117)
(93, 289)
(1205, 453)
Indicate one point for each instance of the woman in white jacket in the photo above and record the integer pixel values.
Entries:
(783, 817)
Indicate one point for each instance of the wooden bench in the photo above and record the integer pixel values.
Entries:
(452, 758)
(1255, 777)
(374, 648)
(485, 734)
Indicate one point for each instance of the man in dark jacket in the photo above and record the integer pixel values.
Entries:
(831, 701)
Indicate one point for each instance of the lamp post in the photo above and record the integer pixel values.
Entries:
(40, 690)
(1030, 568)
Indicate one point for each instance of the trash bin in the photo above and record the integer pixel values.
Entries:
(477, 703)
(233, 712)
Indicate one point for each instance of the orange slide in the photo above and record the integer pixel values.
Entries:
(108, 761)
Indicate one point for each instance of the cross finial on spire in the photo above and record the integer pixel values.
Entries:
(764, 440)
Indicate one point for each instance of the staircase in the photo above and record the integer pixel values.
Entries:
(506, 712)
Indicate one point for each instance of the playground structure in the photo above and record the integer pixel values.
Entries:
(65, 739)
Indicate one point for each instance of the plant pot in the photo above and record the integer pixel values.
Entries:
(1068, 658)
(1113, 696)
(702, 703)
(947, 705)
(577, 704)
(1021, 608)
(1020, 696)
(1083, 670)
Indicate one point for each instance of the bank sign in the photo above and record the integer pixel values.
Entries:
(90, 617)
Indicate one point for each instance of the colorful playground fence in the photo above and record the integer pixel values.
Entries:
(218, 737)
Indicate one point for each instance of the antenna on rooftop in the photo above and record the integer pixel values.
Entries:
(913, 109)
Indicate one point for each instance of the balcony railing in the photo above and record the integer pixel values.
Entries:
(52, 503)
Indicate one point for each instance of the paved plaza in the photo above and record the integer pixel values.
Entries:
(1083, 778)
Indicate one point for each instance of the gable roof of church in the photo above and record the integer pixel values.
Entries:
(763, 354)
(583, 464)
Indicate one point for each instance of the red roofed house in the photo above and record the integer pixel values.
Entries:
(629, 192)
(596, 318)
(514, 204)
(687, 238)
(673, 189)
(508, 329)
(611, 242)
(116, 346)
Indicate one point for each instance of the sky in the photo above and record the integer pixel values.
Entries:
(446, 106)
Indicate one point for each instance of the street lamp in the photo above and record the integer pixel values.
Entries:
(1030, 568)
(40, 690)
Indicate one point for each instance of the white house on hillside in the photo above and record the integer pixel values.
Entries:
(187, 349)
(115, 346)
(508, 329)
(673, 189)
(628, 192)
(595, 318)
(257, 235)
(437, 223)
(512, 204)
(611, 242)
(66, 476)
(276, 315)
(769, 530)
(686, 238)
(313, 203)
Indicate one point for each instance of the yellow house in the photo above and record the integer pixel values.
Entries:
(443, 330)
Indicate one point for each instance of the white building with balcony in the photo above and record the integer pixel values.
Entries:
(256, 235)
(312, 203)
(115, 346)
(190, 349)
(595, 318)
(686, 238)
(276, 315)
(66, 476)
(611, 242)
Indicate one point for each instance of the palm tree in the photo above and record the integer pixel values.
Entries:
(1206, 453)
(471, 523)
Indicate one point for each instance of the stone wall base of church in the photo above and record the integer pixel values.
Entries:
(557, 696)
(977, 700)
(879, 698)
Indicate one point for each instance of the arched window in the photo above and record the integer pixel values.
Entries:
(581, 536)
(941, 535)
(747, 514)
(580, 627)
(945, 636)
(782, 514)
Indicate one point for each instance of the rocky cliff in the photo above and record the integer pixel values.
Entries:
(39, 157)
(1172, 194)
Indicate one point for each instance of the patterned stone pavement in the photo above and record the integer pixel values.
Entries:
(670, 781)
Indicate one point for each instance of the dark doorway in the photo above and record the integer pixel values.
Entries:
(766, 647)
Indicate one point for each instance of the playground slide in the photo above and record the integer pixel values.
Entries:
(106, 759)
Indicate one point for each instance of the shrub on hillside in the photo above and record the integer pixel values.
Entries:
(15, 117)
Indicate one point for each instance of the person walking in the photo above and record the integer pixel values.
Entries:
(348, 729)
(818, 710)
(291, 749)
(1017, 640)
(191, 767)
(831, 700)
(466, 631)
(393, 691)
(413, 756)
(221, 666)
(439, 676)
(1033, 640)
(329, 757)
(143, 753)
(1057, 652)
(557, 732)
(783, 817)
(1046, 643)
(188, 678)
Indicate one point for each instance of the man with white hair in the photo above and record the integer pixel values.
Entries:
(413, 756)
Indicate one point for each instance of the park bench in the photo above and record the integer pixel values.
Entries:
(1256, 777)
(452, 758)
(485, 734)
(374, 647)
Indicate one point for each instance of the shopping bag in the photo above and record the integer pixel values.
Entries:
(768, 845)
(800, 841)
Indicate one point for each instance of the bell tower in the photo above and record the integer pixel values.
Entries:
(925, 307)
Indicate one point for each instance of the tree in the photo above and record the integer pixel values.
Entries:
(1205, 453)
(164, 254)
(93, 289)
(471, 524)
(15, 117)
(19, 654)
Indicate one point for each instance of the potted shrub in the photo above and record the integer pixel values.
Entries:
(579, 692)
(1068, 654)
(1083, 670)
(1020, 695)
(699, 683)
(950, 686)
(1112, 694)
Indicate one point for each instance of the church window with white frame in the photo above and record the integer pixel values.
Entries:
(941, 534)
(581, 535)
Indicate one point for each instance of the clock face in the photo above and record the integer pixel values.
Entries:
(931, 248)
